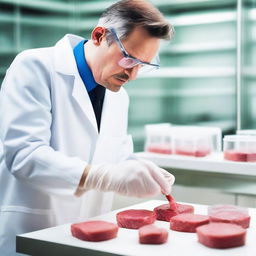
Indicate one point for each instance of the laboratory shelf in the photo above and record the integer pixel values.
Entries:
(175, 20)
(7, 18)
(94, 7)
(188, 92)
(53, 6)
(200, 19)
(190, 72)
(225, 124)
(192, 3)
(199, 47)
(98, 7)
(212, 163)
(86, 24)
(47, 21)
(197, 19)
(252, 14)
(185, 20)
(249, 72)
(30, 20)
(7, 51)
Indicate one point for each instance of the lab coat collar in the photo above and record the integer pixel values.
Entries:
(64, 63)
(64, 60)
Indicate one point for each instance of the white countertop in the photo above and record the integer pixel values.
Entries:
(211, 163)
(126, 243)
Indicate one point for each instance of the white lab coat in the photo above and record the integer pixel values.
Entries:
(48, 133)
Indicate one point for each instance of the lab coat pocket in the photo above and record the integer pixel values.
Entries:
(112, 149)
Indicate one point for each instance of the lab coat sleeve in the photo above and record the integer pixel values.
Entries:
(25, 129)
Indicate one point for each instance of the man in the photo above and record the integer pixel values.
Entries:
(63, 124)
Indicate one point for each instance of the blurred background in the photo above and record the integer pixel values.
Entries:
(207, 74)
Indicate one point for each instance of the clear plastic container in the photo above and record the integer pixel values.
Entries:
(241, 148)
(192, 144)
(158, 139)
(196, 141)
(213, 132)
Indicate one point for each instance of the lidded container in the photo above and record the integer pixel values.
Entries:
(192, 144)
(196, 141)
(158, 138)
(240, 148)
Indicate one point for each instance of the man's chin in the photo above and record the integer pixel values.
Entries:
(115, 85)
(114, 88)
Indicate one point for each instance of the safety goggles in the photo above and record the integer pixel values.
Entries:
(129, 61)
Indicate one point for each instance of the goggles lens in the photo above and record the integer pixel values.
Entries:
(127, 62)
(130, 62)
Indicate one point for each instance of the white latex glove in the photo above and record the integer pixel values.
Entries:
(140, 178)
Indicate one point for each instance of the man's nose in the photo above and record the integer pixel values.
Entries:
(132, 72)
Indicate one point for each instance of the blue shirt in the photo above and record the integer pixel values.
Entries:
(96, 92)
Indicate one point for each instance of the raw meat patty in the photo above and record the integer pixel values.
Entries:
(165, 213)
(234, 217)
(94, 231)
(135, 219)
(188, 222)
(221, 235)
(150, 234)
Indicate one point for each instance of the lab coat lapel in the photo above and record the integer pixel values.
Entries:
(108, 120)
(101, 152)
(64, 63)
(81, 96)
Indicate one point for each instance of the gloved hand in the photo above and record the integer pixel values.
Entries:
(139, 178)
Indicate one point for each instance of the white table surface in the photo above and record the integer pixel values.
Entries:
(126, 243)
(211, 163)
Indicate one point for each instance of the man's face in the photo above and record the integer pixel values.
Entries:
(106, 69)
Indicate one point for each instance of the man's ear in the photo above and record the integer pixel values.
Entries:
(98, 34)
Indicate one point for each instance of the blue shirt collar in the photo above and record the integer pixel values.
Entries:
(83, 68)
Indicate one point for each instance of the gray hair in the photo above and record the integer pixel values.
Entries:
(125, 15)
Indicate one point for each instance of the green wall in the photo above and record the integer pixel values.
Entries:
(197, 80)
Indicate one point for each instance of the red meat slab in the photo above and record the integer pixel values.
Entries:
(234, 217)
(150, 234)
(165, 213)
(134, 219)
(221, 235)
(94, 231)
(188, 222)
